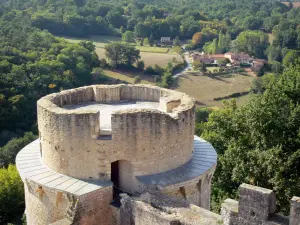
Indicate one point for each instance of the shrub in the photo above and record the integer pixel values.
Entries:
(202, 114)
(140, 65)
(150, 70)
(137, 79)
(11, 193)
(240, 70)
(157, 78)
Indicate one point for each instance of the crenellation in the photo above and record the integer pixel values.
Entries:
(295, 211)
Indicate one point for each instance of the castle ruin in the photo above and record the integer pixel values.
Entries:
(127, 154)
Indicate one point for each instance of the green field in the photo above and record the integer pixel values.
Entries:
(128, 77)
(101, 41)
(149, 58)
(206, 87)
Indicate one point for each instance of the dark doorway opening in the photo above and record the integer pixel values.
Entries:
(122, 178)
(115, 173)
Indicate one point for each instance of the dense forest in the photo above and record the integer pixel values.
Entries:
(257, 143)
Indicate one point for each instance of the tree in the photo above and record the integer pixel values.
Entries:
(254, 43)
(258, 143)
(178, 49)
(202, 115)
(115, 18)
(198, 39)
(276, 67)
(140, 65)
(137, 79)
(167, 80)
(146, 41)
(176, 41)
(199, 66)
(11, 194)
(142, 30)
(128, 36)
(291, 57)
(113, 53)
(118, 53)
(215, 47)
(151, 40)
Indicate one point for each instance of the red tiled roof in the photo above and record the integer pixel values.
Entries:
(295, 4)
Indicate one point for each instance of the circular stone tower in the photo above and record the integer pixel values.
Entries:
(98, 141)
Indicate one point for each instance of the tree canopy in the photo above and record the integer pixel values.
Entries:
(258, 143)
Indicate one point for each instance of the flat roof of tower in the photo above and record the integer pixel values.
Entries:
(107, 109)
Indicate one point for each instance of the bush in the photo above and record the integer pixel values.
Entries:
(158, 70)
(140, 65)
(157, 78)
(137, 79)
(202, 114)
(240, 70)
(150, 70)
(11, 194)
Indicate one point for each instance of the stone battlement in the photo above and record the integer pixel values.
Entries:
(255, 207)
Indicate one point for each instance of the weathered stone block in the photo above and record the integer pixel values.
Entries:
(229, 212)
(295, 211)
(255, 203)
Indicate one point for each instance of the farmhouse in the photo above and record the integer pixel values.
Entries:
(205, 59)
(165, 39)
(239, 58)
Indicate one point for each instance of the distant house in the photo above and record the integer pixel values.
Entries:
(239, 58)
(165, 40)
(205, 59)
(257, 64)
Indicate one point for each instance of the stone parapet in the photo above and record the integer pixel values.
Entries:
(295, 211)
(229, 212)
(256, 206)
(71, 140)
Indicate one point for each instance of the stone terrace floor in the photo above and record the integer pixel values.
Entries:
(106, 110)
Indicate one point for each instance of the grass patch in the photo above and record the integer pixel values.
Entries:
(211, 69)
(98, 41)
(149, 58)
(204, 88)
(101, 41)
(271, 37)
(152, 49)
(128, 77)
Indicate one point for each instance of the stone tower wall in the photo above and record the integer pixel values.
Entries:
(46, 205)
(152, 141)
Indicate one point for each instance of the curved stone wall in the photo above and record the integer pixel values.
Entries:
(151, 140)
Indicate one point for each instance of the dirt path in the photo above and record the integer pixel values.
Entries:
(250, 72)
